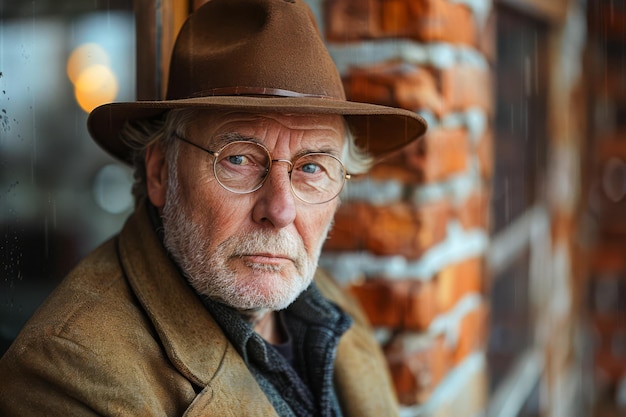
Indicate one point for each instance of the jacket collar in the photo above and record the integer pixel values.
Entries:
(178, 316)
(193, 341)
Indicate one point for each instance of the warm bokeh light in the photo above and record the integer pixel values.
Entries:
(94, 81)
(94, 86)
(85, 56)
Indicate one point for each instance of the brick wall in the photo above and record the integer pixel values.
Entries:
(410, 238)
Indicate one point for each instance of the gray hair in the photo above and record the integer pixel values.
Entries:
(161, 131)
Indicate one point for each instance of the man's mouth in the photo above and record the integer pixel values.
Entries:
(266, 258)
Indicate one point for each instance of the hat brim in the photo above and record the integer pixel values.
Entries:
(379, 130)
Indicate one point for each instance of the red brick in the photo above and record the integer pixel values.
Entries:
(465, 86)
(412, 87)
(484, 153)
(473, 212)
(349, 20)
(399, 304)
(396, 229)
(394, 84)
(350, 227)
(402, 229)
(421, 306)
(429, 21)
(472, 334)
(413, 304)
(458, 280)
(440, 154)
(417, 363)
(422, 20)
(394, 166)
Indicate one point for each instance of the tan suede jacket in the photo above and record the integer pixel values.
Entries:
(123, 335)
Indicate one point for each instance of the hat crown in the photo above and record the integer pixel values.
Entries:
(252, 45)
(257, 56)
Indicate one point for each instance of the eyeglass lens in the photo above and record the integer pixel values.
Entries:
(242, 167)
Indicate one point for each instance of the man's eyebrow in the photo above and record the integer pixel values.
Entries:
(224, 139)
(325, 149)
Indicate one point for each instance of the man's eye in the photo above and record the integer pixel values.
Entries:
(238, 160)
(310, 168)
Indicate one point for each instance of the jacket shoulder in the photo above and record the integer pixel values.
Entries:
(90, 350)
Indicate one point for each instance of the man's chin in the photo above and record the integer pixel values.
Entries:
(258, 306)
(264, 291)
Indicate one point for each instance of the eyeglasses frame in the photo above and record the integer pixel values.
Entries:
(215, 155)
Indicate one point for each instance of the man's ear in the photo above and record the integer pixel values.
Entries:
(156, 175)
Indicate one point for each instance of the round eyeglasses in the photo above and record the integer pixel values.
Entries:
(242, 167)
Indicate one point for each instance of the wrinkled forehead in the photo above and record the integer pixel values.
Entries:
(210, 124)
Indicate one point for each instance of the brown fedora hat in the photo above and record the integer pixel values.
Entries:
(259, 56)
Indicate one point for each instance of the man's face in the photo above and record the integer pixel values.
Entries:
(255, 251)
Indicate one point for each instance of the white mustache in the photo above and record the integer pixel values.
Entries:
(282, 244)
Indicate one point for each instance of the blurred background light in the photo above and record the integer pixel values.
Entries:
(94, 81)
(94, 86)
(85, 56)
(111, 189)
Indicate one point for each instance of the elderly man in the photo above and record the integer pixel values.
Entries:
(209, 301)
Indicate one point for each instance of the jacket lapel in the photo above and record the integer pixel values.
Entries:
(194, 343)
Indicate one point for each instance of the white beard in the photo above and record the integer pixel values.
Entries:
(208, 270)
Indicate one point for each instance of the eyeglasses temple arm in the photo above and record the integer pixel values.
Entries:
(196, 145)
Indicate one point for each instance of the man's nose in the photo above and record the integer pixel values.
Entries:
(276, 204)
